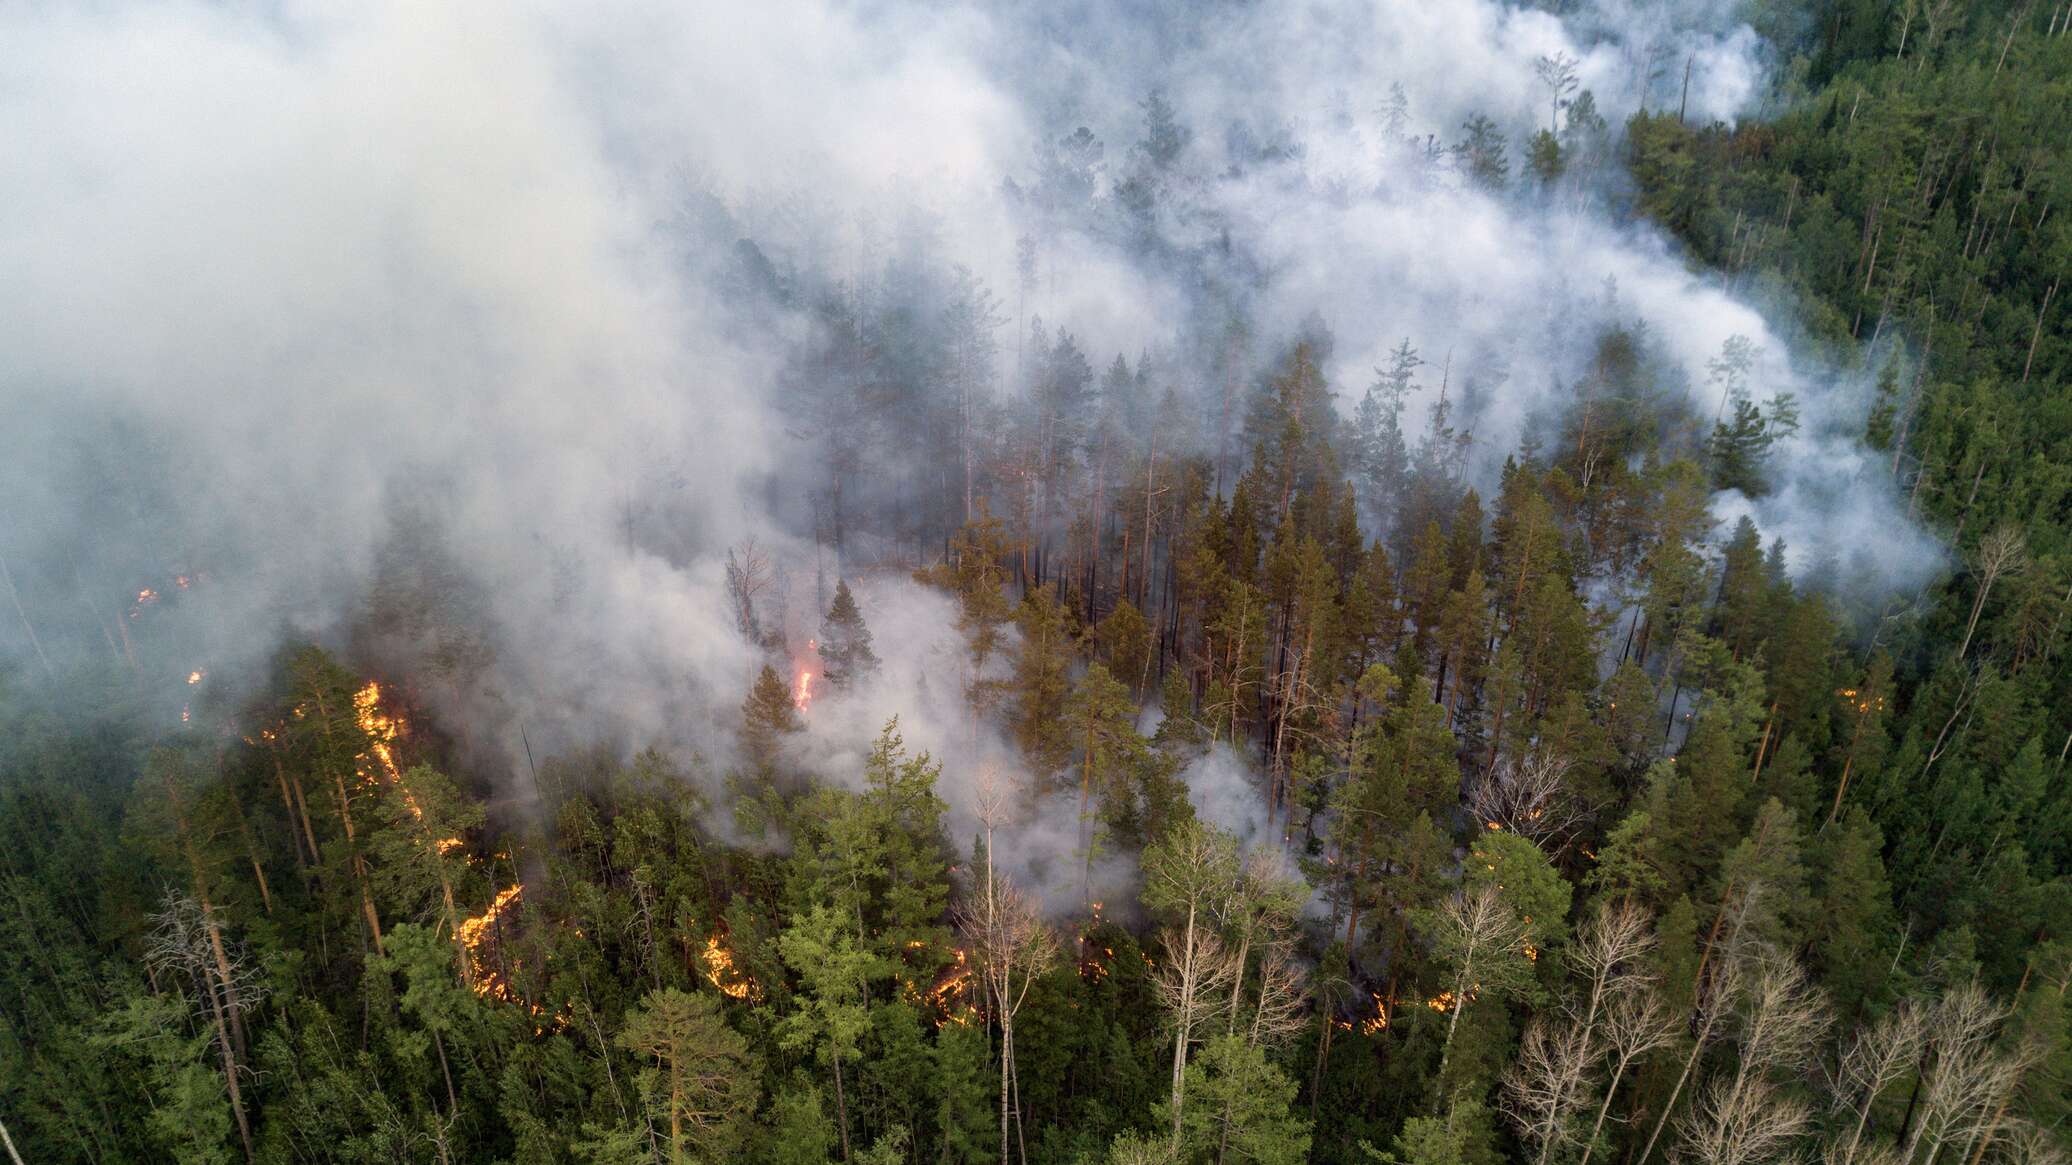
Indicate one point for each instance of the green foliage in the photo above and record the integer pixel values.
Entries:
(844, 644)
(1240, 1108)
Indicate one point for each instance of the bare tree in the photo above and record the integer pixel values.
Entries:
(1529, 796)
(1014, 949)
(1547, 1082)
(1192, 973)
(184, 951)
(1558, 1061)
(1558, 74)
(1741, 1122)
(1283, 991)
(1962, 1090)
(1188, 874)
(1785, 1017)
(2031, 1145)
(1607, 955)
(1717, 995)
(2002, 554)
(1476, 927)
(7, 1143)
(1879, 1057)
(1260, 907)
(749, 575)
(1741, 1117)
(1635, 1025)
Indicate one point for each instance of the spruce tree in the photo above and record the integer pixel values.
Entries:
(845, 643)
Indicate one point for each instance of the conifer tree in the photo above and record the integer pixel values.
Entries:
(845, 643)
(767, 717)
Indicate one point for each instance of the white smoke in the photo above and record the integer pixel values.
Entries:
(326, 264)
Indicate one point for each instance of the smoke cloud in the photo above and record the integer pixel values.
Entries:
(330, 308)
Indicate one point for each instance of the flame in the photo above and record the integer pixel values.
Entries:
(475, 933)
(949, 989)
(946, 997)
(382, 731)
(720, 969)
(1379, 1021)
(194, 677)
(1443, 1002)
(145, 598)
(803, 694)
(1863, 707)
(185, 714)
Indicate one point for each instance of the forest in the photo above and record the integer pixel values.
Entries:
(1274, 731)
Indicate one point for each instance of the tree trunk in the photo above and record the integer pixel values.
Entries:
(1597, 1126)
(8, 1142)
(841, 1106)
(23, 615)
(1182, 1021)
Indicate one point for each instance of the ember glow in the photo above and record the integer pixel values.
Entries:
(195, 676)
(802, 693)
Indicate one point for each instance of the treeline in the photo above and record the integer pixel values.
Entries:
(1693, 874)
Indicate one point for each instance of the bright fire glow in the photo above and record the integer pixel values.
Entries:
(194, 677)
(949, 990)
(1379, 1021)
(381, 728)
(802, 695)
(720, 969)
(382, 732)
(474, 933)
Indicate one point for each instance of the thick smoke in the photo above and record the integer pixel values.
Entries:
(338, 308)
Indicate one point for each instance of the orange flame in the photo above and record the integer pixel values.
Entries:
(803, 694)
(382, 731)
(474, 932)
(731, 980)
(194, 677)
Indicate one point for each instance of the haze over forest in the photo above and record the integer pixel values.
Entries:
(966, 582)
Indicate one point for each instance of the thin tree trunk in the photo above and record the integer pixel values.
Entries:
(8, 1142)
(1182, 1021)
(841, 1107)
(1611, 1090)
(452, 1101)
(2037, 333)
(14, 595)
